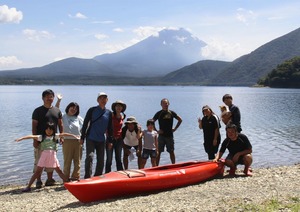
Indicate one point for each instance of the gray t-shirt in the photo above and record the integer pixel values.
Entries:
(149, 139)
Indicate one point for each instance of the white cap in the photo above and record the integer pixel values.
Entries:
(101, 94)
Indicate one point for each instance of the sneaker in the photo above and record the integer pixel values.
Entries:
(50, 182)
(27, 189)
(73, 179)
(38, 184)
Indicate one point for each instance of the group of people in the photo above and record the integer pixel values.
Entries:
(238, 144)
(106, 131)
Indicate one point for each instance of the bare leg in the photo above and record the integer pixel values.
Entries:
(36, 174)
(125, 158)
(158, 158)
(61, 174)
(172, 157)
(232, 166)
(143, 163)
(153, 162)
(247, 161)
(139, 159)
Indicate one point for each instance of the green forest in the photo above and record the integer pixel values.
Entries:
(285, 75)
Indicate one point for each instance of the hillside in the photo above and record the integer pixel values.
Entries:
(198, 73)
(247, 69)
(286, 75)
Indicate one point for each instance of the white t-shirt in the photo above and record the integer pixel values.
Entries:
(131, 138)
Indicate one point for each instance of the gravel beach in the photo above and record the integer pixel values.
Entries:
(240, 193)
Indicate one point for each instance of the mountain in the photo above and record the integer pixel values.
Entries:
(198, 73)
(63, 71)
(156, 55)
(248, 69)
(171, 57)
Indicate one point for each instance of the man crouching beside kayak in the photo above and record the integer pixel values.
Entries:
(239, 148)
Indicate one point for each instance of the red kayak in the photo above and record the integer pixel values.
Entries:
(136, 181)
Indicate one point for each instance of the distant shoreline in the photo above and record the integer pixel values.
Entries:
(268, 187)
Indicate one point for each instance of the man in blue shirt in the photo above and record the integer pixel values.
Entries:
(97, 122)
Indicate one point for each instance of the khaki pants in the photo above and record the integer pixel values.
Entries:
(72, 150)
(37, 155)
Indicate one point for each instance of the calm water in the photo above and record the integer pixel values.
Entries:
(270, 118)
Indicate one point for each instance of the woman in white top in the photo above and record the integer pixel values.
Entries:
(72, 148)
(131, 139)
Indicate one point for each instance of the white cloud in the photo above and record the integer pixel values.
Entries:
(101, 36)
(217, 49)
(144, 32)
(9, 61)
(36, 35)
(245, 16)
(10, 15)
(103, 22)
(118, 30)
(78, 15)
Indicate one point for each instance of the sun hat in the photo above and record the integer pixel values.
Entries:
(118, 102)
(131, 119)
(101, 94)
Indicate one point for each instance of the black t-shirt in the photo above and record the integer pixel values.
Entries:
(236, 116)
(209, 126)
(242, 143)
(165, 121)
(44, 115)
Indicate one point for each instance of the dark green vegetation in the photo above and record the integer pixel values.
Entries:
(286, 75)
(244, 71)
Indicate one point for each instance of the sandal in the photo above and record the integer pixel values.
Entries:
(27, 189)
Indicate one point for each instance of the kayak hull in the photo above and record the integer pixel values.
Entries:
(135, 181)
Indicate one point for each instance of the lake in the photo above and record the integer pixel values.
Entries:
(270, 119)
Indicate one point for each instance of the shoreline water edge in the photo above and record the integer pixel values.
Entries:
(269, 189)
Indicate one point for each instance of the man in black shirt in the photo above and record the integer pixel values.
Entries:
(165, 120)
(40, 117)
(239, 148)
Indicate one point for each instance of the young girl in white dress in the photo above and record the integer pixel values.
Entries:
(48, 157)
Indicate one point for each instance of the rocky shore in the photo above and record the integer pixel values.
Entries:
(276, 187)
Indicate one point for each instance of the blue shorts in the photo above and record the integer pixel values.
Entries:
(148, 152)
(167, 142)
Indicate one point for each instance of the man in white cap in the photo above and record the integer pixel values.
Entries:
(97, 122)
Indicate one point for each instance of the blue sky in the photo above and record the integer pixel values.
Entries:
(35, 33)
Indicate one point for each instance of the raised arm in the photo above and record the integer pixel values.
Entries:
(59, 98)
(35, 137)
